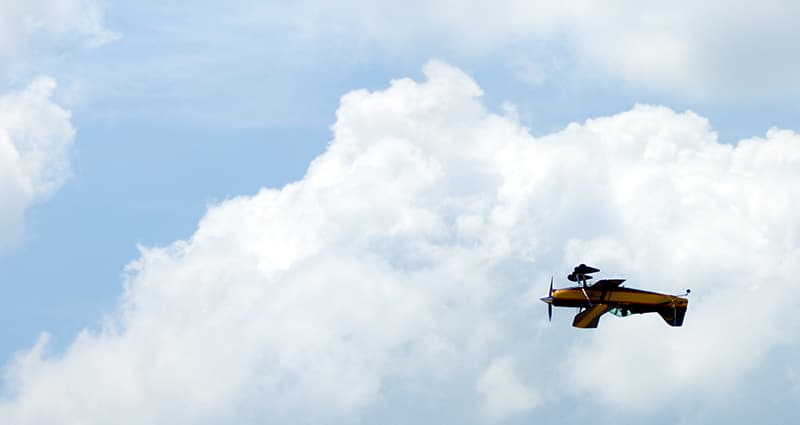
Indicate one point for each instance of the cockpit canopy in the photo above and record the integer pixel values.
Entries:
(620, 311)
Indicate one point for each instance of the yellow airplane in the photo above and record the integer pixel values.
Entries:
(608, 296)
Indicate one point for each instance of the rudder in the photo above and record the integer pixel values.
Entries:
(673, 316)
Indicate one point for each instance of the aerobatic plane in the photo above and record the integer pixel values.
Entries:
(609, 296)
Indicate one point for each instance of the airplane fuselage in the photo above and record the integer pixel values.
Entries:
(619, 297)
(609, 296)
(594, 301)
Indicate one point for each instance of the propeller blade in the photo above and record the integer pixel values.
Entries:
(550, 306)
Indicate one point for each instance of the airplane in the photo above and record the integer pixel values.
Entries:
(609, 296)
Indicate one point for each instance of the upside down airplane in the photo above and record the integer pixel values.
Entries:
(608, 296)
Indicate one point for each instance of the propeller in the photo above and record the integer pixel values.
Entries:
(550, 304)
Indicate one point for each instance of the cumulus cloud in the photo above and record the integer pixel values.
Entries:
(35, 136)
(402, 271)
(503, 393)
(701, 51)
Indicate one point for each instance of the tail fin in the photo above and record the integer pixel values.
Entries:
(673, 316)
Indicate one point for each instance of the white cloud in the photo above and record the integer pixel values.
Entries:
(35, 135)
(504, 395)
(712, 51)
(400, 270)
(531, 72)
(28, 26)
(24, 21)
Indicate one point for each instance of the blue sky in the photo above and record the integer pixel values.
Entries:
(183, 114)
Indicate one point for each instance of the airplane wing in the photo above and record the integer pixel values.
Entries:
(590, 317)
(608, 283)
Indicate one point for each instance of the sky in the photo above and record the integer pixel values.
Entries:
(306, 212)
